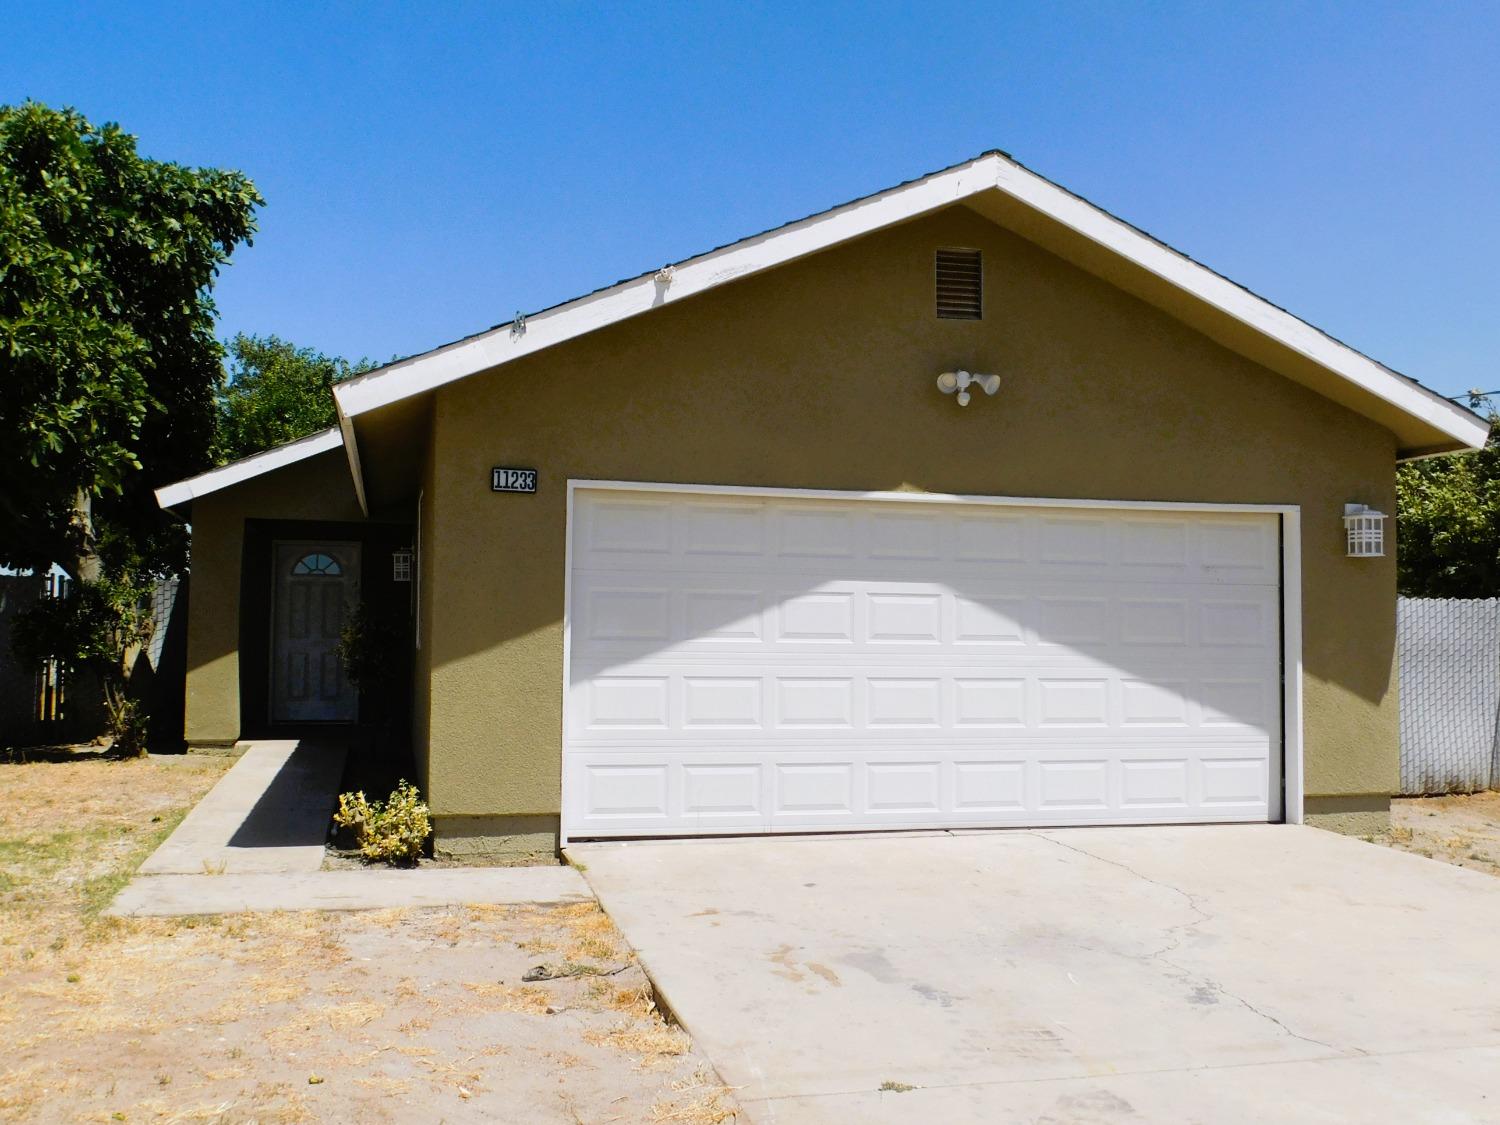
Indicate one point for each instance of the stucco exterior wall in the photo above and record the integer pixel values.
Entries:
(820, 375)
(316, 489)
(427, 553)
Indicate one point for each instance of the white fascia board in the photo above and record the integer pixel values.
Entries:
(991, 171)
(1256, 312)
(171, 495)
(351, 450)
(631, 298)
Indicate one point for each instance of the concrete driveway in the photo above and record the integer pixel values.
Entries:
(1212, 974)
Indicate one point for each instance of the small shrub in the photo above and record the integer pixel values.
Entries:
(128, 724)
(390, 831)
(366, 644)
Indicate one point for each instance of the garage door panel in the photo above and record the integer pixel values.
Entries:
(684, 705)
(822, 531)
(730, 789)
(631, 525)
(624, 615)
(1226, 701)
(713, 531)
(989, 702)
(636, 531)
(779, 664)
(1230, 782)
(817, 788)
(628, 613)
(1155, 783)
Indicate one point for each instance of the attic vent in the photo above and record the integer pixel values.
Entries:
(960, 285)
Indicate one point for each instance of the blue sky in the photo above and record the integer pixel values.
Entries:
(432, 168)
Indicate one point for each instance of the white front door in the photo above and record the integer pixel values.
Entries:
(773, 663)
(316, 582)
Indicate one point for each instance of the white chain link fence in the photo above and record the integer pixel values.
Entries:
(1449, 653)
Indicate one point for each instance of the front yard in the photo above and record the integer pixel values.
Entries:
(385, 1016)
(376, 1016)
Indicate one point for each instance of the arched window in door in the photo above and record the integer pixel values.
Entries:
(318, 565)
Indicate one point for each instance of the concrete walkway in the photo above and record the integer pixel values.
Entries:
(374, 888)
(269, 813)
(256, 842)
(1188, 974)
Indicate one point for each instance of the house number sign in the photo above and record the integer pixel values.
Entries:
(512, 480)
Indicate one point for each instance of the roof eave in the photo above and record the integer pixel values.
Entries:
(176, 497)
(430, 370)
(1430, 415)
(1422, 453)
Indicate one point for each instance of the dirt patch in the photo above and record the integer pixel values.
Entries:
(72, 828)
(376, 1016)
(1461, 830)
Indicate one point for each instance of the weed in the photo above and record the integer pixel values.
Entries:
(705, 1104)
(649, 1043)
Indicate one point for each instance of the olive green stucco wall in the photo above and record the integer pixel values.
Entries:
(820, 375)
(316, 489)
(427, 556)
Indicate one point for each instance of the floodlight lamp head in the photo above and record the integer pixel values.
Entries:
(959, 382)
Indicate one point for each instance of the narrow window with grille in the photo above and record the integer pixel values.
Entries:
(960, 285)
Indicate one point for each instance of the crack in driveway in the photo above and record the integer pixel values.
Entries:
(1179, 933)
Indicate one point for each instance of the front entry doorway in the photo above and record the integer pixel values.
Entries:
(316, 583)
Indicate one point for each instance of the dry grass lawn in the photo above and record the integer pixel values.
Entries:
(1462, 830)
(372, 1017)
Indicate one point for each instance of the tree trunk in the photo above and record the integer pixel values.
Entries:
(85, 565)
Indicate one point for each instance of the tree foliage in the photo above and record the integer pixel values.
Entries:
(108, 360)
(275, 392)
(1448, 524)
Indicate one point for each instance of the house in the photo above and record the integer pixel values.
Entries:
(746, 544)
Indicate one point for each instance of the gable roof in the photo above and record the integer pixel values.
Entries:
(1011, 194)
(993, 184)
(185, 491)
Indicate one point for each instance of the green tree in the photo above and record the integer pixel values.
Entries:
(1448, 524)
(275, 392)
(108, 360)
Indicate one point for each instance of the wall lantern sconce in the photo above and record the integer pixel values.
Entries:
(1364, 529)
(401, 565)
(960, 381)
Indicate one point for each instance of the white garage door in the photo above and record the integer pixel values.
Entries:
(788, 664)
